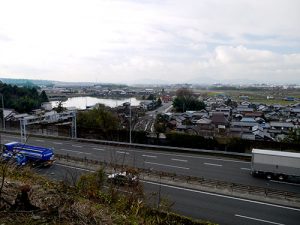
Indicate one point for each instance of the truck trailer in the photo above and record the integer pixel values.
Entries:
(272, 164)
(24, 154)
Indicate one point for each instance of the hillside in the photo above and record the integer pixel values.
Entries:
(88, 201)
(22, 99)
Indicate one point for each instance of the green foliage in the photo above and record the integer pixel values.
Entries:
(191, 141)
(185, 100)
(236, 145)
(293, 137)
(60, 108)
(160, 124)
(159, 102)
(90, 184)
(88, 203)
(44, 97)
(100, 118)
(151, 97)
(22, 99)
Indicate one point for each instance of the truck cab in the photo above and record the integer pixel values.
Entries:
(27, 153)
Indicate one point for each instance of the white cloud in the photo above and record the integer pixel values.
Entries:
(127, 40)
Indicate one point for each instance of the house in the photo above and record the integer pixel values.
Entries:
(248, 120)
(51, 117)
(254, 114)
(204, 121)
(218, 118)
(289, 98)
(283, 126)
(295, 111)
(46, 106)
(243, 125)
(17, 117)
(148, 105)
(257, 135)
(226, 110)
(166, 98)
(243, 110)
(244, 97)
(200, 114)
(8, 113)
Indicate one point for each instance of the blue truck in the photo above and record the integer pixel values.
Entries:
(25, 154)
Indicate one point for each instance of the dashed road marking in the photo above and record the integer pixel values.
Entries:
(77, 146)
(150, 156)
(179, 160)
(245, 169)
(166, 165)
(67, 150)
(99, 149)
(120, 152)
(213, 164)
(73, 167)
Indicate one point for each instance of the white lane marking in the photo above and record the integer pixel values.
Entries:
(99, 149)
(77, 146)
(150, 156)
(260, 220)
(179, 167)
(38, 140)
(57, 143)
(212, 164)
(176, 155)
(199, 157)
(222, 196)
(283, 182)
(179, 160)
(72, 167)
(120, 152)
(7, 135)
(190, 156)
(245, 169)
(67, 150)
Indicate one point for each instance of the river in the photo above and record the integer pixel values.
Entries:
(84, 102)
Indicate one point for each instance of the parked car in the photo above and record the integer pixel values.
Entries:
(123, 178)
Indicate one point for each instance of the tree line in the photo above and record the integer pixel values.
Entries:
(22, 99)
(186, 100)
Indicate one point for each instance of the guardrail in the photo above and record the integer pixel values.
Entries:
(246, 156)
(198, 181)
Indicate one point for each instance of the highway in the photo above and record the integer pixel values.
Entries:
(224, 209)
(217, 208)
(210, 167)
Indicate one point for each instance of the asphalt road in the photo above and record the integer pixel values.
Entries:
(217, 208)
(224, 209)
(209, 167)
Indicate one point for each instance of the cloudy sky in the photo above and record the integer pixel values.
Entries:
(151, 40)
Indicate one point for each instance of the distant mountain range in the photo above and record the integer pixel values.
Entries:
(140, 82)
(26, 82)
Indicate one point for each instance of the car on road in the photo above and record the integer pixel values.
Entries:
(123, 178)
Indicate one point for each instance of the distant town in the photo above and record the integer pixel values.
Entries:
(250, 112)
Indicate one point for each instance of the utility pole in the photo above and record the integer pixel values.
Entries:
(130, 122)
(74, 125)
(3, 117)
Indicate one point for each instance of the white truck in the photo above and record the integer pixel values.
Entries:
(275, 164)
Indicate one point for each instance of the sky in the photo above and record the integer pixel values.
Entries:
(144, 41)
